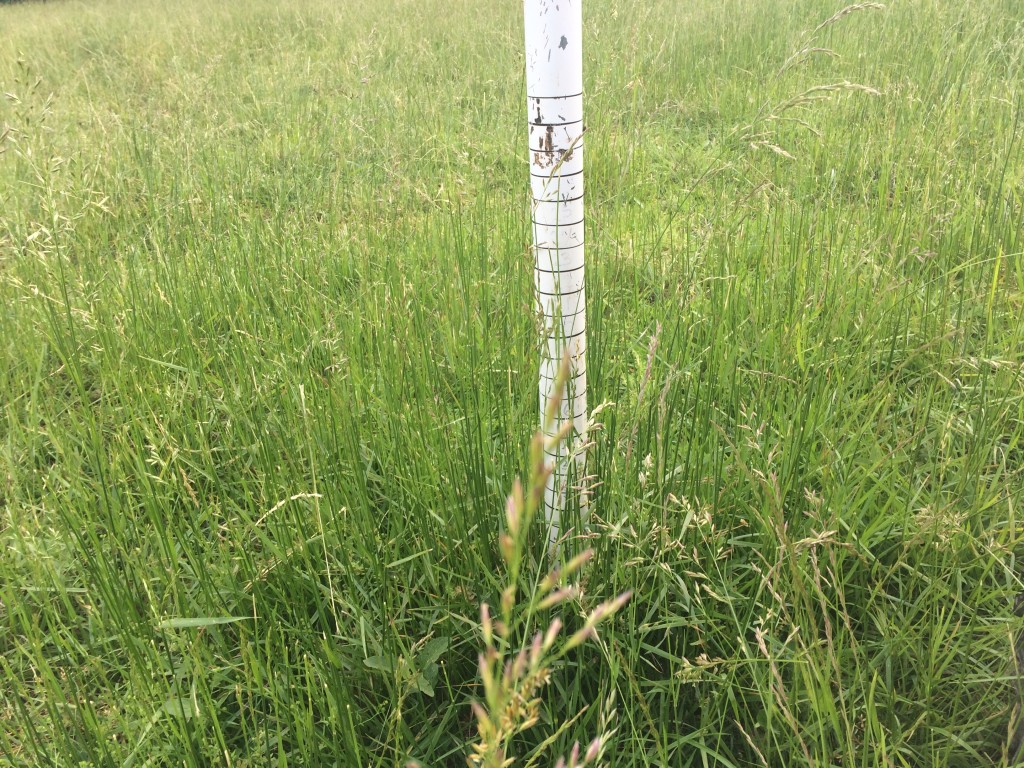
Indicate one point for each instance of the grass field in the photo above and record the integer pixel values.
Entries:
(268, 371)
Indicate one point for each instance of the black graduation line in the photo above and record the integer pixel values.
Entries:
(554, 175)
(570, 335)
(571, 316)
(560, 200)
(579, 396)
(564, 298)
(580, 354)
(577, 144)
(565, 419)
(567, 315)
(557, 271)
(563, 248)
(556, 362)
(568, 237)
(564, 314)
(563, 294)
(558, 253)
(550, 356)
(562, 271)
(546, 380)
(567, 223)
(552, 98)
(538, 201)
(566, 337)
(535, 124)
(573, 313)
(565, 453)
(559, 249)
(557, 358)
(560, 123)
(575, 415)
(575, 380)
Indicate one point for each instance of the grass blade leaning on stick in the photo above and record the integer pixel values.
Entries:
(513, 680)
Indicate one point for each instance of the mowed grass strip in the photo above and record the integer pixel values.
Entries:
(268, 369)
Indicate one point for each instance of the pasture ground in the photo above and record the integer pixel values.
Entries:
(267, 372)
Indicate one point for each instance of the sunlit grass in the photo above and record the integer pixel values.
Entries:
(268, 368)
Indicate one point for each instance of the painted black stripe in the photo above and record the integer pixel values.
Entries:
(574, 384)
(567, 315)
(558, 224)
(559, 150)
(564, 336)
(557, 249)
(559, 200)
(549, 380)
(555, 98)
(565, 298)
(576, 414)
(565, 452)
(557, 271)
(535, 124)
(556, 362)
(564, 271)
(575, 292)
(554, 175)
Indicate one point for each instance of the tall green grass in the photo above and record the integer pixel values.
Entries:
(267, 370)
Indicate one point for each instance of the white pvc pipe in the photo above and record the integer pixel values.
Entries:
(554, 99)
